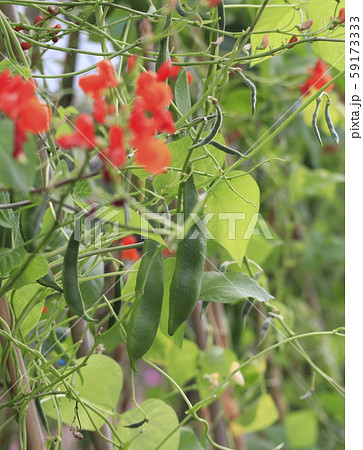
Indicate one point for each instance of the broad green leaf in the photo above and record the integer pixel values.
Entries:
(167, 184)
(27, 302)
(177, 338)
(162, 421)
(182, 363)
(182, 94)
(98, 383)
(14, 174)
(231, 287)
(10, 258)
(321, 12)
(7, 216)
(14, 67)
(279, 17)
(263, 414)
(234, 215)
(188, 440)
(34, 270)
(301, 428)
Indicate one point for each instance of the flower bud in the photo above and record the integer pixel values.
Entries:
(38, 19)
(25, 45)
(293, 39)
(264, 43)
(53, 10)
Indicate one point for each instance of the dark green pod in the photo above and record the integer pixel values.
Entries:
(189, 266)
(315, 121)
(330, 124)
(221, 15)
(72, 294)
(149, 293)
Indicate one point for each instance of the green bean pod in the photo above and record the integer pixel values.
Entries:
(149, 293)
(264, 330)
(213, 132)
(117, 303)
(221, 15)
(72, 294)
(164, 54)
(225, 148)
(330, 124)
(187, 277)
(253, 90)
(315, 121)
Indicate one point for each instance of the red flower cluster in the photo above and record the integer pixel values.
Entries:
(95, 84)
(148, 117)
(19, 102)
(317, 79)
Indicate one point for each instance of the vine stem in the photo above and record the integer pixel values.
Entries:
(35, 439)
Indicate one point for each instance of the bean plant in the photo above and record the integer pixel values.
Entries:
(171, 224)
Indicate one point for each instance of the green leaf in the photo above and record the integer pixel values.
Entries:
(177, 338)
(20, 299)
(98, 383)
(167, 184)
(14, 67)
(182, 94)
(182, 363)
(10, 258)
(162, 421)
(231, 287)
(301, 428)
(188, 440)
(273, 18)
(82, 189)
(7, 216)
(34, 270)
(16, 175)
(263, 414)
(321, 12)
(234, 216)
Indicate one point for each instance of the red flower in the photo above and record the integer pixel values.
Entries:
(19, 102)
(100, 109)
(153, 155)
(189, 77)
(156, 94)
(213, 3)
(139, 123)
(318, 79)
(115, 152)
(131, 253)
(131, 63)
(342, 15)
(167, 70)
(94, 84)
(83, 136)
(163, 120)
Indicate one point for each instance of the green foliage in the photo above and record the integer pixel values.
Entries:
(275, 221)
(162, 421)
(86, 382)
